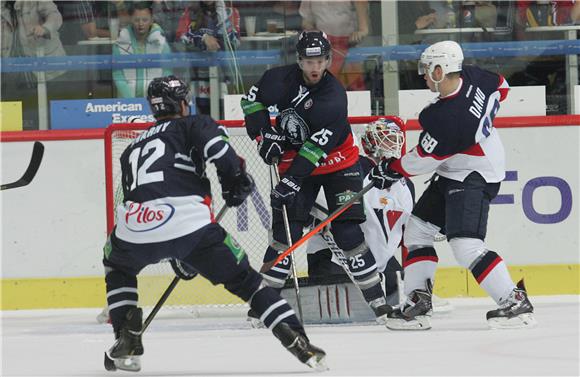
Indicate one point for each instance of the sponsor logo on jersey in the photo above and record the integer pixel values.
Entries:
(235, 248)
(308, 104)
(384, 201)
(343, 197)
(141, 218)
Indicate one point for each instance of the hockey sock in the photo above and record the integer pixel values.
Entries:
(122, 296)
(372, 293)
(420, 266)
(277, 275)
(273, 309)
(491, 272)
(363, 267)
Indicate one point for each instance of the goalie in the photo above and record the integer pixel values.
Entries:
(386, 213)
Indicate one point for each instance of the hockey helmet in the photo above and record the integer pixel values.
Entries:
(165, 95)
(446, 54)
(313, 44)
(383, 138)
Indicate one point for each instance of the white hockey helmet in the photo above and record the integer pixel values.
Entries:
(446, 54)
(383, 138)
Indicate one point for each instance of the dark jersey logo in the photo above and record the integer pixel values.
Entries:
(295, 128)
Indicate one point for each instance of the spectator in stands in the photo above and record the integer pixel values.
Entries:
(142, 36)
(547, 13)
(79, 22)
(208, 26)
(30, 29)
(205, 25)
(166, 14)
(346, 23)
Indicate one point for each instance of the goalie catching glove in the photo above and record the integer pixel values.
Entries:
(182, 270)
(237, 188)
(382, 176)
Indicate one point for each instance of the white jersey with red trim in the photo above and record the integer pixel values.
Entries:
(387, 211)
(458, 136)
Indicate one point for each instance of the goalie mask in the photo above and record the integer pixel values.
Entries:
(383, 138)
(165, 95)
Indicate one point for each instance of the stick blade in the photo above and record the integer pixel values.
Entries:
(33, 166)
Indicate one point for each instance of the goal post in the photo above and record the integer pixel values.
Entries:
(249, 223)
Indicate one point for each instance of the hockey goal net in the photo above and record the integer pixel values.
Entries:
(249, 224)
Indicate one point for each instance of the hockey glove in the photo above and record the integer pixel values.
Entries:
(182, 270)
(382, 176)
(285, 192)
(270, 146)
(235, 190)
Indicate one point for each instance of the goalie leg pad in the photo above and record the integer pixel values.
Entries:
(122, 294)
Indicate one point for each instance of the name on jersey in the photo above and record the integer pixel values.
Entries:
(141, 218)
(150, 132)
(476, 107)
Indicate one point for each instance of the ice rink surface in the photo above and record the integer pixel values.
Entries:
(71, 343)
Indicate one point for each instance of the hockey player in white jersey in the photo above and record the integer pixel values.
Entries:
(386, 210)
(459, 144)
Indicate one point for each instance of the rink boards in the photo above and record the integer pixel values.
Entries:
(53, 230)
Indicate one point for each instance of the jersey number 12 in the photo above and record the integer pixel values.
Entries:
(140, 173)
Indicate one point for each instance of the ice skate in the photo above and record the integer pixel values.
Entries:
(255, 320)
(515, 312)
(381, 310)
(300, 346)
(415, 313)
(126, 353)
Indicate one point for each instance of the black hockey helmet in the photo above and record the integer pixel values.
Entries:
(165, 95)
(312, 44)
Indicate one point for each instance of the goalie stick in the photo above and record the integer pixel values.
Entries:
(337, 212)
(35, 160)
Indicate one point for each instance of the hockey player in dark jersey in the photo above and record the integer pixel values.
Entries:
(166, 213)
(459, 144)
(313, 141)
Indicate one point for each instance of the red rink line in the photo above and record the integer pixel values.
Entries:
(412, 124)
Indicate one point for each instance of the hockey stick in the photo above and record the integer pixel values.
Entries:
(337, 212)
(172, 285)
(35, 160)
(289, 239)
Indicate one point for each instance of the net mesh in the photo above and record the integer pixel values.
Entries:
(249, 224)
